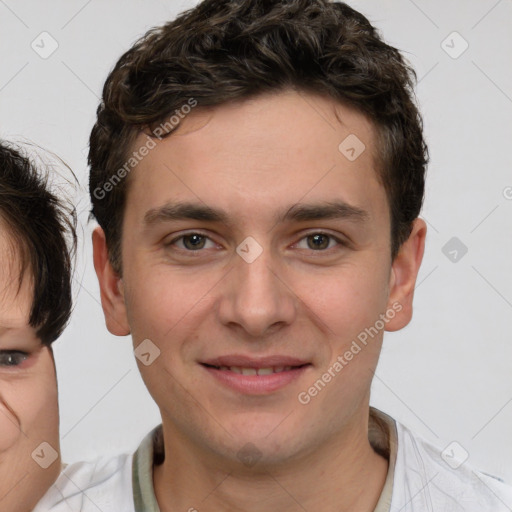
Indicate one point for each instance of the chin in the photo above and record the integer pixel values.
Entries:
(256, 450)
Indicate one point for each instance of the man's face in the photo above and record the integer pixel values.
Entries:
(250, 240)
(28, 395)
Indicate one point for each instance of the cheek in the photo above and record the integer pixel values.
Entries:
(347, 300)
(170, 309)
(9, 426)
(33, 401)
(30, 407)
(162, 302)
(43, 417)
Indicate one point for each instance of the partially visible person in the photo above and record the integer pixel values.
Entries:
(37, 241)
(269, 221)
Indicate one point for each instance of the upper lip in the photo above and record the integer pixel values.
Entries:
(252, 362)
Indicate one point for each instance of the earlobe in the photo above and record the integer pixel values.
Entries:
(404, 272)
(111, 288)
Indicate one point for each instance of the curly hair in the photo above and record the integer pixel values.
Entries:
(227, 50)
(42, 230)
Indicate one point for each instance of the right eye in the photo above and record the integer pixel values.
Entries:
(12, 358)
(192, 242)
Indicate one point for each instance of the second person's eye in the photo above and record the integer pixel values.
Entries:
(12, 358)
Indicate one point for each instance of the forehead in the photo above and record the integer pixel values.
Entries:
(256, 155)
(15, 300)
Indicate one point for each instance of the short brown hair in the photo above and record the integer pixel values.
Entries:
(226, 50)
(43, 234)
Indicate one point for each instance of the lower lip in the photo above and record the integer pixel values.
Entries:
(256, 384)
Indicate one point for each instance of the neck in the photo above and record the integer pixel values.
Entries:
(342, 474)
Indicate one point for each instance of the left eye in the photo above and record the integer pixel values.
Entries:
(318, 241)
(9, 358)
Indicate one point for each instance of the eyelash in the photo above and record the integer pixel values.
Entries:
(313, 233)
(6, 354)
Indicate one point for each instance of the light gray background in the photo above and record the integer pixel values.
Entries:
(447, 375)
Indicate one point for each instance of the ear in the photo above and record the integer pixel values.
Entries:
(111, 287)
(404, 271)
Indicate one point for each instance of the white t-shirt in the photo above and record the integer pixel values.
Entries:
(104, 485)
(420, 479)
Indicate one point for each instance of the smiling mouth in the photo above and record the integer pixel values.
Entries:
(257, 378)
(255, 371)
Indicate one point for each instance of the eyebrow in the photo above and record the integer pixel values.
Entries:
(329, 210)
(183, 211)
(298, 212)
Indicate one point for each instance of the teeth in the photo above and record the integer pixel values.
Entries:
(255, 371)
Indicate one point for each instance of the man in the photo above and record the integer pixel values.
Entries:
(257, 172)
(37, 238)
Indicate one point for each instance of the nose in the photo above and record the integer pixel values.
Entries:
(256, 297)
